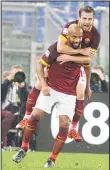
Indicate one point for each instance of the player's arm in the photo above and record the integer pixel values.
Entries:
(78, 59)
(40, 72)
(94, 46)
(87, 68)
(41, 64)
(63, 48)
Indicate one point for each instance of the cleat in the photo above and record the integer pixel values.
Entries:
(49, 163)
(21, 124)
(75, 135)
(19, 156)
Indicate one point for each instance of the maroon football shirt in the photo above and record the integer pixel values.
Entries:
(61, 77)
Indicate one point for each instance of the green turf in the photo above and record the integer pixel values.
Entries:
(65, 161)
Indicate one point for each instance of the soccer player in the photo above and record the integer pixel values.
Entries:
(91, 38)
(61, 89)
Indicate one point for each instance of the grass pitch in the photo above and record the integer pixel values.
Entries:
(65, 161)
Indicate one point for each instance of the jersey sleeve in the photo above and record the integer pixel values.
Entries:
(45, 58)
(50, 55)
(95, 41)
(64, 32)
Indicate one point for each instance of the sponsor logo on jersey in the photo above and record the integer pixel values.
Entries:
(47, 53)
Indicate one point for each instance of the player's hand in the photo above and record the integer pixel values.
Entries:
(21, 85)
(45, 90)
(64, 58)
(88, 93)
(87, 52)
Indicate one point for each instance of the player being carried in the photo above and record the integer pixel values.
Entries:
(90, 42)
(61, 89)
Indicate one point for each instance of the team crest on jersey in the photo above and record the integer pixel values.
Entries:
(87, 40)
(65, 31)
(47, 53)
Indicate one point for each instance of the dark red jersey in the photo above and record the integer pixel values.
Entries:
(91, 38)
(61, 77)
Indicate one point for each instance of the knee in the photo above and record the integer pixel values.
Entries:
(38, 114)
(63, 129)
(81, 95)
(64, 123)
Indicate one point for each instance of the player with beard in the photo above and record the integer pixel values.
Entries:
(61, 89)
(90, 43)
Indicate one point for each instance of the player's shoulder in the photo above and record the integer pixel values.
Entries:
(51, 49)
(95, 31)
(53, 46)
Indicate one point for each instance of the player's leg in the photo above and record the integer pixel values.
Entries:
(80, 91)
(33, 95)
(43, 104)
(29, 130)
(59, 141)
(31, 101)
(65, 107)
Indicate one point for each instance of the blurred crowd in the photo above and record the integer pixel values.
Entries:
(14, 92)
(99, 80)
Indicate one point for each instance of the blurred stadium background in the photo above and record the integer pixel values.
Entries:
(27, 31)
(29, 28)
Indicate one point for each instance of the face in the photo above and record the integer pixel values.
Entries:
(14, 71)
(75, 39)
(86, 20)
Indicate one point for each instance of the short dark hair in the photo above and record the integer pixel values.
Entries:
(87, 9)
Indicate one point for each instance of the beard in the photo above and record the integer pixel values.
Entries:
(75, 46)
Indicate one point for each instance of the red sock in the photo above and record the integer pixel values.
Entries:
(29, 131)
(59, 142)
(78, 112)
(31, 100)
